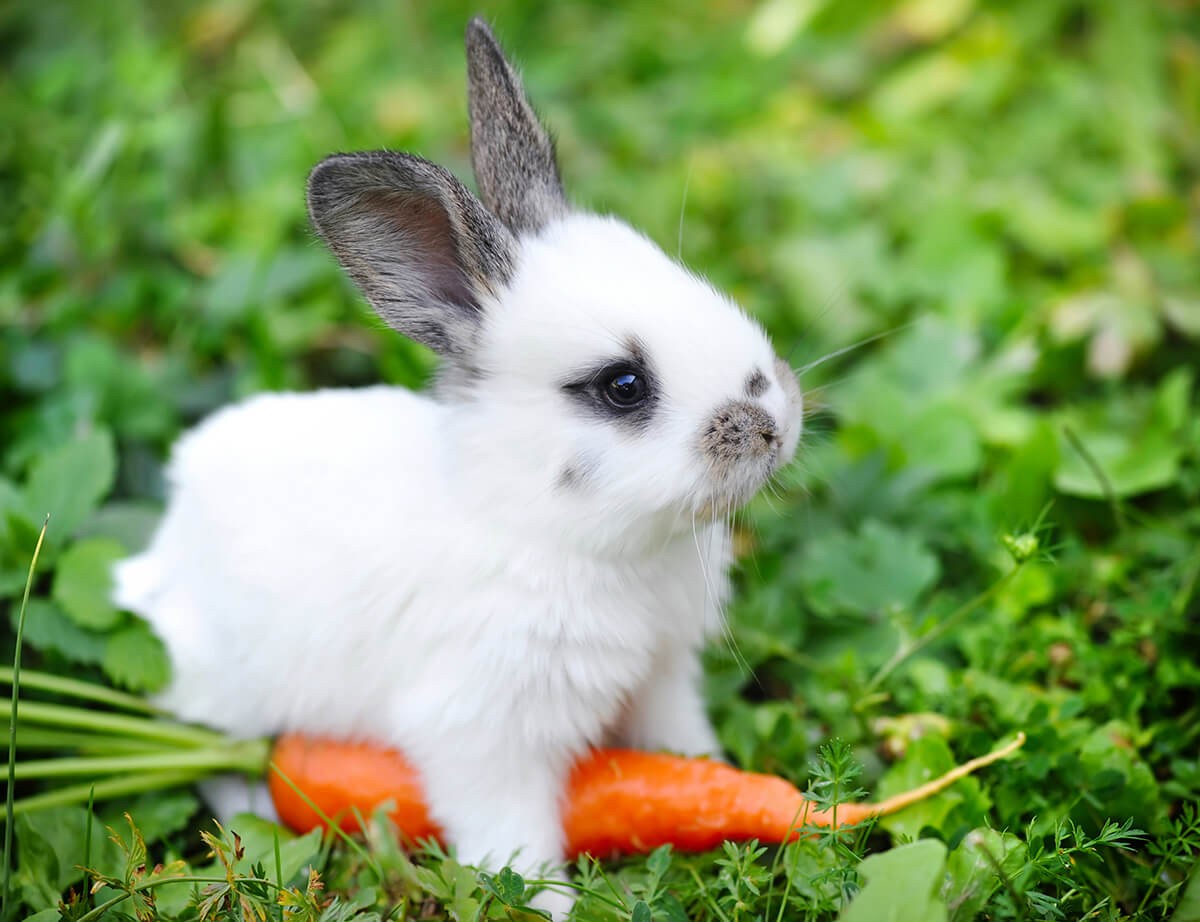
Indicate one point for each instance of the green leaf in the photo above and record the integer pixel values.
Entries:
(942, 439)
(136, 659)
(43, 860)
(68, 482)
(1134, 440)
(463, 887)
(83, 582)
(1183, 312)
(1188, 908)
(17, 539)
(1049, 226)
(11, 501)
(1173, 398)
(130, 523)
(50, 843)
(641, 912)
(659, 860)
(973, 872)
(49, 630)
(878, 569)
(52, 914)
(1132, 463)
(509, 886)
(1021, 485)
(919, 86)
(12, 581)
(1119, 783)
(161, 813)
(901, 885)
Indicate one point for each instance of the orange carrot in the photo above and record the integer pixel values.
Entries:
(618, 800)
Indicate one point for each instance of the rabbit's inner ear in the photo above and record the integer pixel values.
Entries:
(415, 240)
(511, 152)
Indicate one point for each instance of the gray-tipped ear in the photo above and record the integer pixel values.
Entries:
(512, 154)
(415, 240)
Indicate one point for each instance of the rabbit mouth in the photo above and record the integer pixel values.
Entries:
(742, 446)
(736, 485)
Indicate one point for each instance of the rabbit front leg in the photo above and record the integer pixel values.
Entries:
(668, 711)
(499, 805)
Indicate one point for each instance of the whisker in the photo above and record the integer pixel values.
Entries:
(709, 593)
(739, 658)
(862, 342)
(831, 300)
(687, 182)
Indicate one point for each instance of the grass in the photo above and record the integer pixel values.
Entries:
(993, 524)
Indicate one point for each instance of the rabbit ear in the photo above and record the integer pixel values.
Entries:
(415, 240)
(512, 154)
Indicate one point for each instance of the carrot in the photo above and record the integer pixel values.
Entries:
(618, 800)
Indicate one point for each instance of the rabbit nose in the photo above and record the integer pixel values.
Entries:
(737, 431)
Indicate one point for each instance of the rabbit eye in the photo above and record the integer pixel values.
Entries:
(625, 390)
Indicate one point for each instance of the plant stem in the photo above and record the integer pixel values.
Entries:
(905, 650)
(12, 722)
(57, 715)
(929, 788)
(100, 910)
(1110, 495)
(87, 842)
(110, 787)
(96, 743)
(250, 758)
(333, 827)
(75, 688)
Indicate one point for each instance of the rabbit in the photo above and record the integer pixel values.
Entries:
(518, 565)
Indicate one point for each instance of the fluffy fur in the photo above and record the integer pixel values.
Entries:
(498, 575)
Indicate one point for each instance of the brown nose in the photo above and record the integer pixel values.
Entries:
(739, 430)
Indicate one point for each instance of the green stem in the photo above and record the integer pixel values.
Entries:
(75, 688)
(96, 743)
(1110, 495)
(87, 843)
(104, 907)
(12, 723)
(57, 715)
(905, 650)
(333, 827)
(249, 757)
(109, 787)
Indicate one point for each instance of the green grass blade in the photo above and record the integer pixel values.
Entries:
(87, 845)
(330, 824)
(12, 723)
(278, 869)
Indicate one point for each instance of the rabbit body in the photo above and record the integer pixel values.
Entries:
(301, 586)
(520, 565)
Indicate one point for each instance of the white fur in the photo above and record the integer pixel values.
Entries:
(391, 566)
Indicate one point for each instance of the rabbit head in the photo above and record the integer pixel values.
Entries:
(592, 386)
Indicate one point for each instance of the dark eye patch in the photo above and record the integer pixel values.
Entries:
(621, 390)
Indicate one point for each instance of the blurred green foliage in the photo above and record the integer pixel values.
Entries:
(1010, 191)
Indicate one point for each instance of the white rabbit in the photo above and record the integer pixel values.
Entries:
(524, 563)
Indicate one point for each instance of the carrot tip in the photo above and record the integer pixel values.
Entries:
(900, 801)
